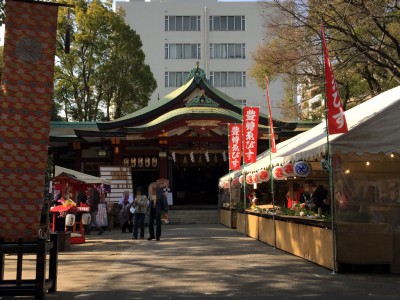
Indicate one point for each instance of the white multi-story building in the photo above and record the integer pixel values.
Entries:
(221, 36)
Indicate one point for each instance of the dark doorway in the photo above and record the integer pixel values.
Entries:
(197, 185)
(143, 179)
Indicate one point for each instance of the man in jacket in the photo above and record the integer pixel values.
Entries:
(157, 206)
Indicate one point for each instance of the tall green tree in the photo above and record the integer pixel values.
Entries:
(104, 75)
(363, 41)
(125, 81)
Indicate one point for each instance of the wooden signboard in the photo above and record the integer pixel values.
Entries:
(102, 219)
(120, 178)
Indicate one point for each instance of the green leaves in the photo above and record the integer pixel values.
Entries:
(363, 40)
(105, 67)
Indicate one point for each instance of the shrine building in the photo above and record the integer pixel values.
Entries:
(183, 137)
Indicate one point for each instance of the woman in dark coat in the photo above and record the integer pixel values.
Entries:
(157, 206)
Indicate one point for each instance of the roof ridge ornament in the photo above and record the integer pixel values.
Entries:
(197, 74)
(202, 100)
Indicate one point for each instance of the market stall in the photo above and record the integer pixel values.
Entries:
(71, 207)
(365, 189)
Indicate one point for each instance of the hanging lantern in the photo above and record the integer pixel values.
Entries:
(249, 179)
(221, 184)
(288, 170)
(302, 168)
(224, 157)
(226, 184)
(86, 219)
(256, 179)
(70, 220)
(263, 175)
(235, 182)
(241, 179)
(277, 173)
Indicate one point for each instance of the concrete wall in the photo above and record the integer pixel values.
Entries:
(148, 19)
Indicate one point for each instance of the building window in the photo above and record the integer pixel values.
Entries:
(227, 23)
(228, 79)
(225, 51)
(242, 102)
(182, 23)
(182, 51)
(175, 79)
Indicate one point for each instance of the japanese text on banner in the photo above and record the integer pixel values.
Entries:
(250, 133)
(235, 146)
(336, 117)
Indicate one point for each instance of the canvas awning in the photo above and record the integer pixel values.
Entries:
(85, 178)
(373, 128)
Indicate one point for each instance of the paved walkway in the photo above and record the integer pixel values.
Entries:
(203, 261)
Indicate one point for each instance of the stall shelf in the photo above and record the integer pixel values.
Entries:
(310, 239)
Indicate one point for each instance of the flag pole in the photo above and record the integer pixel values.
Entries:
(229, 172)
(330, 174)
(250, 121)
(329, 160)
(271, 146)
(239, 166)
(272, 191)
(244, 182)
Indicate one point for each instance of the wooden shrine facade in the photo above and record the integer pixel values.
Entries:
(182, 137)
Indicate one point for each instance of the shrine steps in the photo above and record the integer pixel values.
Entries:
(187, 215)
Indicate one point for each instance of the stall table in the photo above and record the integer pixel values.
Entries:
(304, 237)
(76, 236)
(227, 217)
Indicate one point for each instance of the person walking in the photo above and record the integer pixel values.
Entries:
(94, 200)
(126, 197)
(140, 204)
(158, 205)
(125, 214)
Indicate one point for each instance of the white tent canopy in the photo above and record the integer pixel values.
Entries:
(80, 176)
(373, 128)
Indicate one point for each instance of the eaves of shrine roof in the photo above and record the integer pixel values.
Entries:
(154, 110)
(189, 113)
(65, 131)
(197, 80)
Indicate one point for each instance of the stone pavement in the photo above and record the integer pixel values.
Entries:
(199, 262)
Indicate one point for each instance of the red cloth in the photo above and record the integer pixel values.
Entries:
(289, 203)
(61, 208)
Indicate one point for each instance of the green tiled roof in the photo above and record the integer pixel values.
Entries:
(221, 94)
(152, 106)
(183, 112)
(67, 129)
(154, 112)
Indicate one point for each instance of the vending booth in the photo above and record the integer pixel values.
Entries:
(71, 201)
(361, 225)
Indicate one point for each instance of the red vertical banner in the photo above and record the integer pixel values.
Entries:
(336, 117)
(271, 123)
(250, 133)
(235, 146)
(25, 108)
